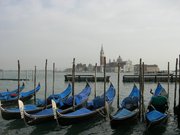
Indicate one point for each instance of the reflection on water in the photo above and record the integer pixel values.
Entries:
(15, 124)
(44, 128)
(16, 127)
(126, 129)
(156, 130)
(81, 127)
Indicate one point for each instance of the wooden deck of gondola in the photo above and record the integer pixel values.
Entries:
(76, 119)
(126, 121)
(155, 123)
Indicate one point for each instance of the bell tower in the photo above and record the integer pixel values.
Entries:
(102, 56)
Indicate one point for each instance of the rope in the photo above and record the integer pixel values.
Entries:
(102, 113)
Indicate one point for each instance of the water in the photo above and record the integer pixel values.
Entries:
(97, 126)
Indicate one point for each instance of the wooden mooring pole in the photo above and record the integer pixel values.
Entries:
(32, 75)
(45, 96)
(95, 80)
(53, 79)
(26, 75)
(140, 80)
(73, 79)
(175, 87)
(141, 87)
(104, 81)
(142, 93)
(18, 78)
(179, 97)
(118, 105)
(35, 85)
(168, 80)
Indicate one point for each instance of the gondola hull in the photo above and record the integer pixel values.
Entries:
(15, 101)
(157, 111)
(24, 96)
(47, 118)
(14, 113)
(65, 121)
(47, 115)
(129, 109)
(124, 120)
(156, 120)
(155, 123)
(8, 115)
(7, 94)
(95, 108)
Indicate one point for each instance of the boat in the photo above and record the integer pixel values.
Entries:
(66, 106)
(129, 109)
(24, 96)
(7, 94)
(14, 113)
(157, 111)
(92, 110)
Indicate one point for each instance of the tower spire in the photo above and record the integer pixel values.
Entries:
(101, 46)
(102, 56)
(102, 50)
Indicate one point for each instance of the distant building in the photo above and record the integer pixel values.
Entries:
(81, 67)
(102, 62)
(147, 68)
(111, 66)
(102, 56)
(126, 66)
(68, 70)
(90, 68)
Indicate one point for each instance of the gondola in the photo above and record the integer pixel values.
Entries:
(92, 110)
(46, 115)
(24, 96)
(129, 109)
(5, 95)
(157, 112)
(14, 113)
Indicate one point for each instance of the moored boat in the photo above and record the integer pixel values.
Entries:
(93, 109)
(46, 115)
(5, 95)
(14, 113)
(24, 96)
(157, 112)
(129, 109)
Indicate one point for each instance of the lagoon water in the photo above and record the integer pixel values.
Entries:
(98, 126)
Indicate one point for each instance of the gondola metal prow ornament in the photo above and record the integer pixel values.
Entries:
(54, 107)
(21, 108)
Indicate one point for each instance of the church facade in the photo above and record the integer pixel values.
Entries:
(112, 66)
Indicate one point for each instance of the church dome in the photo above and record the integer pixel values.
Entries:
(119, 59)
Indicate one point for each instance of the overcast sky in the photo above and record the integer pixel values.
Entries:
(59, 30)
